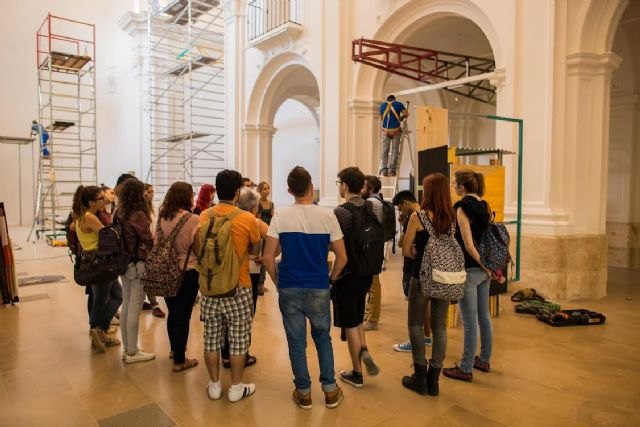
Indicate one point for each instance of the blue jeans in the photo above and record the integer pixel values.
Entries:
(132, 300)
(297, 305)
(105, 301)
(474, 308)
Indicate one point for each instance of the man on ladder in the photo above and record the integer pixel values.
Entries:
(43, 136)
(392, 113)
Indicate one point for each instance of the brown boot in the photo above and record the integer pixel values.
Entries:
(333, 398)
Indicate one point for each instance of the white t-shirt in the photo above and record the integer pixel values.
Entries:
(305, 232)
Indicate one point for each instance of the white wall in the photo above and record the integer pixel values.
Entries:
(117, 90)
(295, 143)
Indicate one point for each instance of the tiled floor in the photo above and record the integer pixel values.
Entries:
(584, 376)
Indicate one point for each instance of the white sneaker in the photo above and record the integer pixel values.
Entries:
(214, 390)
(140, 356)
(240, 391)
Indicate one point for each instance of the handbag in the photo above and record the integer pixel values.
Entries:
(86, 271)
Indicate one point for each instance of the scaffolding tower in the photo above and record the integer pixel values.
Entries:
(186, 102)
(65, 60)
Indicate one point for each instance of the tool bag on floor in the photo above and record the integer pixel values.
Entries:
(536, 306)
(578, 317)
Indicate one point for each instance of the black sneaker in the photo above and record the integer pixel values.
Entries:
(351, 378)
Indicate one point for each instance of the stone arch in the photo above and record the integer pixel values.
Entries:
(286, 76)
(370, 80)
(598, 22)
(281, 75)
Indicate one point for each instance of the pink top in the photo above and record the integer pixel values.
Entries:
(185, 237)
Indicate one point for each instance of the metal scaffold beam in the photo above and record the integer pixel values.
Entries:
(429, 66)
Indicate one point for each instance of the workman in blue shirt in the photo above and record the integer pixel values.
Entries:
(392, 113)
(38, 129)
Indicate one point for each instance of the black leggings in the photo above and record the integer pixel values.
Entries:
(180, 308)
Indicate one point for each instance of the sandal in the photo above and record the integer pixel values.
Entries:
(249, 361)
(188, 364)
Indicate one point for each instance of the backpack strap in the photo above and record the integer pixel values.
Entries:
(181, 222)
(353, 209)
(426, 222)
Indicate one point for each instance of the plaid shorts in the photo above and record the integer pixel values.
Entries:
(233, 314)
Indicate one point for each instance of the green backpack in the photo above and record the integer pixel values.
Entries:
(218, 262)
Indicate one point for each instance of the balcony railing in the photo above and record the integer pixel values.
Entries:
(265, 16)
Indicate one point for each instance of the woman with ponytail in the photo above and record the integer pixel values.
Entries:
(473, 215)
(87, 202)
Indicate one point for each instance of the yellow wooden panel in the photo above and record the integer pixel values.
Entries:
(451, 155)
(494, 180)
(432, 127)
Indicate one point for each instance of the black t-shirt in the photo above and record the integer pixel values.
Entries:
(478, 213)
(407, 267)
(421, 239)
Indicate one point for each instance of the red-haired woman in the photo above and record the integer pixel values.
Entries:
(436, 209)
(205, 198)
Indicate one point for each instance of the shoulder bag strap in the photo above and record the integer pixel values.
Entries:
(186, 260)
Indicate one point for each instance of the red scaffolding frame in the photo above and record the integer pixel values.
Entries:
(51, 39)
(427, 66)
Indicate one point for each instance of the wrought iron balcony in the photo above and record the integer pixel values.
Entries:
(268, 19)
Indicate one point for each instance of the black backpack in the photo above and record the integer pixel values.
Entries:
(364, 242)
(388, 219)
(111, 254)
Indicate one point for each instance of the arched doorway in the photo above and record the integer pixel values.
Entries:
(457, 26)
(623, 196)
(284, 96)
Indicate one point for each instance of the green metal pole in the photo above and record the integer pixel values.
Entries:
(518, 221)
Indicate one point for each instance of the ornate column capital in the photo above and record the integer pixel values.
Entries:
(133, 23)
(259, 129)
(363, 107)
(588, 64)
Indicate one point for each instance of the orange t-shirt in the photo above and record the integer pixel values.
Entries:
(244, 230)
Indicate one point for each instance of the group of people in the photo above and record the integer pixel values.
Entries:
(300, 237)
